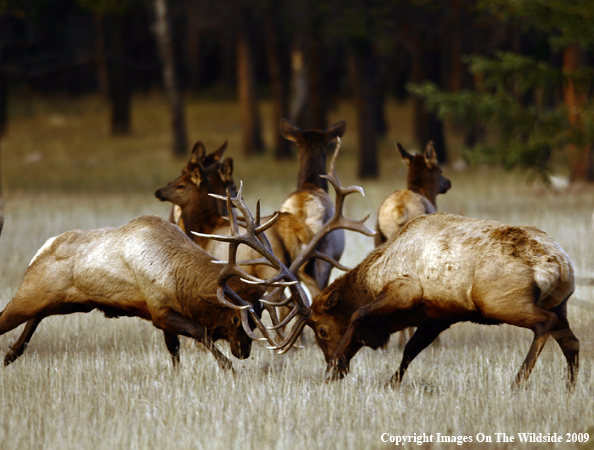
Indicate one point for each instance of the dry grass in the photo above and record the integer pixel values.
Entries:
(86, 382)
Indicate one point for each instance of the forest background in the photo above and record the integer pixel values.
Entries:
(514, 77)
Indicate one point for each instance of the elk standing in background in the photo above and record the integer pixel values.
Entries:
(311, 201)
(444, 269)
(424, 182)
(147, 268)
(219, 177)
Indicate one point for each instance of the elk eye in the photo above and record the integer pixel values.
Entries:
(235, 320)
(323, 333)
(180, 187)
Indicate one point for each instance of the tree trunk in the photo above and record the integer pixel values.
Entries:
(119, 91)
(170, 80)
(576, 97)
(299, 111)
(317, 97)
(426, 67)
(192, 53)
(3, 115)
(278, 80)
(363, 76)
(100, 59)
(251, 135)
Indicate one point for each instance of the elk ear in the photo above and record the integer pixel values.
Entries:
(226, 170)
(337, 130)
(218, 154)
(430, 155)
(289, 130)
(330, 302)
(406, 157)
(197, 176)
(198, 153)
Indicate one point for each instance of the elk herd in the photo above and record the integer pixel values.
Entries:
(215, 270)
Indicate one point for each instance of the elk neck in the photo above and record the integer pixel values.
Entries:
(311, 167)
(424, 193)
(202, 217)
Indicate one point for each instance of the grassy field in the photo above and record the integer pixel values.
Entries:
(87, 382)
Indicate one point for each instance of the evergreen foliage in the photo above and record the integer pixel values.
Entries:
(518, 98)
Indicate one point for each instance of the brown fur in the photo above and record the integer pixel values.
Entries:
(505, 274)
(424, 181)
(147, 268)
(311, 201)
(218, 173)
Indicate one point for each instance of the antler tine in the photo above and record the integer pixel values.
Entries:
(256, 239)
(337, 221)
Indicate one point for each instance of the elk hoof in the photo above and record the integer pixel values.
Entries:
(9, 358)
(394, 382)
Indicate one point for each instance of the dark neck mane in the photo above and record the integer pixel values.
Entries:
(309, 174)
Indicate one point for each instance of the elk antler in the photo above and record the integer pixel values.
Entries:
(301, 307)
(255, 238)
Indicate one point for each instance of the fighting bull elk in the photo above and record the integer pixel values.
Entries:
(219, 174)
(147, 268)
(424, 181)
(311, 201)
(443, 269)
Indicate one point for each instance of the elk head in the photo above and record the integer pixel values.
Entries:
(424, 175)
(219, 174)
(313, 146)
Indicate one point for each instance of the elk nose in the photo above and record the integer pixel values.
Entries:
(242, 351)
(159, 195)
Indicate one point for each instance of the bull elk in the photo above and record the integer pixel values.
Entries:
(440, 270)
(147, 268)
(424, 181)
(311, 201)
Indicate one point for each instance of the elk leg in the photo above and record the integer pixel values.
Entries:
(172, 344)
(570, 346)
(542, 330)
(384, 304)
(20, 345)
(525, 314)
(13, 316)
(174, 322)
(421, 339)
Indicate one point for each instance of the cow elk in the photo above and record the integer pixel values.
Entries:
(440, 270)
(311, 201)
(147, 268)
(424, 181)
(219, 174)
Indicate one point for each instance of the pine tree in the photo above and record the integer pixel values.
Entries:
(535, 110)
